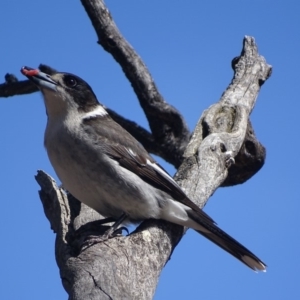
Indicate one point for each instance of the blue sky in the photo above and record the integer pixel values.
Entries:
(188, 47)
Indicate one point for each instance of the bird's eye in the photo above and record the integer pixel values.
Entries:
(70, 81)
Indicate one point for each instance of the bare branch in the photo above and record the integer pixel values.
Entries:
(221, 130)
(248, 161)
(130, 266)
(9, 89)
(12, 87)
(167, 125)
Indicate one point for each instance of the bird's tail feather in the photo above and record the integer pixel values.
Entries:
(211, 231)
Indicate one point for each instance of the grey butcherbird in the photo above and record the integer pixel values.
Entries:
(106, 168)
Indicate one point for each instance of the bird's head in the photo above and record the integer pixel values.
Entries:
(64, 93)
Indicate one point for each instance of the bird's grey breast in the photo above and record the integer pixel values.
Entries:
(75, 162)
(78, 157)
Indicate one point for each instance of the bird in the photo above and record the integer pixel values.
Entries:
(106, 168)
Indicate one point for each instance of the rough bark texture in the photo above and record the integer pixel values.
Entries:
(222, 151)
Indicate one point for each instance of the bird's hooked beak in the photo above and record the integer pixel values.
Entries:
(42, 80)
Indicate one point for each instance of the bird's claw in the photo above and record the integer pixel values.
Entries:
(95, 239)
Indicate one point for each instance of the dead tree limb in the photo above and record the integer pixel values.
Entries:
(167, 125)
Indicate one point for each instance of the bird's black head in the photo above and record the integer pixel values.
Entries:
(79, 90)
(63, 92)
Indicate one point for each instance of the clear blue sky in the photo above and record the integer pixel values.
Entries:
(188, 47)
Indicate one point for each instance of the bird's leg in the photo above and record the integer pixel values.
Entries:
(114, 228)
(111, 232)
(105, 221)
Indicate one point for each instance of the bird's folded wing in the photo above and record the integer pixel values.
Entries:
(132, 156)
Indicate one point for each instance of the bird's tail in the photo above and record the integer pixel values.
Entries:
(207, 227)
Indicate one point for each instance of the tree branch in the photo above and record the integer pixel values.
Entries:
(130, 266)
(167, 124)
(248, 161)
(222, 129)
(9, 89)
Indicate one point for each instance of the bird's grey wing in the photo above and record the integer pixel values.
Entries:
(132, 156)
(156, 176)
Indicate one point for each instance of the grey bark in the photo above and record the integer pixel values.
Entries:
(222, 151)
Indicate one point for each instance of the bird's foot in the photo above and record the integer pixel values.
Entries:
(95, 239)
